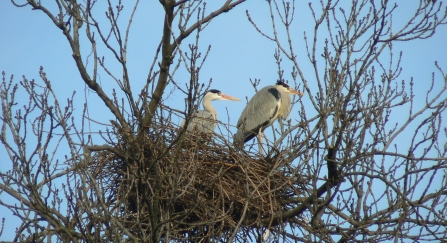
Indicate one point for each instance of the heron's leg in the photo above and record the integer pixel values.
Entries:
(260, 135)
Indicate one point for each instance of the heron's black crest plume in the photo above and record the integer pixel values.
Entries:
(214, 91)
(282, 83)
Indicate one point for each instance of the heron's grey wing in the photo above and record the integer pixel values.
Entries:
(258, 114)
(202, 121)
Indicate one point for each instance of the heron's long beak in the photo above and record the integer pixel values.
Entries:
(229, 97)
(296, 92)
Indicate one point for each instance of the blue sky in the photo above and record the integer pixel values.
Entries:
(238, 53)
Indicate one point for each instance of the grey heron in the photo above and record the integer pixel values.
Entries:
(205, 121)
(267, 105)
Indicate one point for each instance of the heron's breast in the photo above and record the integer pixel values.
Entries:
(276, 112)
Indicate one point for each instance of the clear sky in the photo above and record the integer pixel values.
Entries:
(29, 40)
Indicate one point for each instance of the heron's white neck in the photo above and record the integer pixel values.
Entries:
(209, 107)
(284, 109)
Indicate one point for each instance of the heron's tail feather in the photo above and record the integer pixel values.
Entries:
(238, 139)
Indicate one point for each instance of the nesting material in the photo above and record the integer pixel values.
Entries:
(202, 184)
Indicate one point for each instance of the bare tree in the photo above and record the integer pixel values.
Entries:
(336, 174)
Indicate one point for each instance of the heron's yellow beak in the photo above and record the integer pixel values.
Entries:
(229, 97)
(295, 92)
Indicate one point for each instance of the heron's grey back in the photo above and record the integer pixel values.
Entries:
(257, 114)
(202, 121)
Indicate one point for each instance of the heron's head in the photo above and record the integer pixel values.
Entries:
(283, 87)
(215, 94)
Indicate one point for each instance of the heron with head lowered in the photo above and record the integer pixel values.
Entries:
(267, 105)
(205, 121)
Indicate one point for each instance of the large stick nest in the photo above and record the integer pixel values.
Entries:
(200, 184)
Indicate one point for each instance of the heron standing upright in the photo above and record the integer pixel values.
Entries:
(205, 121)
(262, 110)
